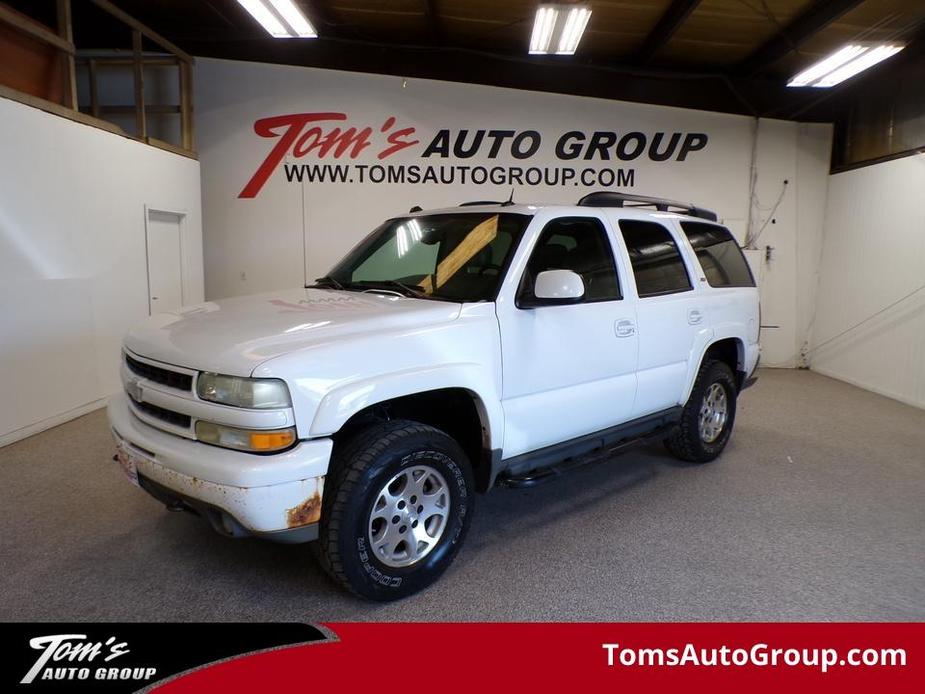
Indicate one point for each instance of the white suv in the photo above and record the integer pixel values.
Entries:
(449, 352)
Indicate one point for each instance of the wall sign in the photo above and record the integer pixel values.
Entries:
(303, 142)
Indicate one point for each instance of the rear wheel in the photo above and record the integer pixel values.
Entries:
(708, 417)
(396, 511)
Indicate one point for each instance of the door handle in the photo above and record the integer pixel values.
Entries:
(694, 316)
(624, 328)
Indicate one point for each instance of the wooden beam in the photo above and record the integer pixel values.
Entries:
(34, 29)
(675, 16)
(105, 60)
(128, 109)
(66, 32)
(141, 125)
(187, 131)
(138, 26)
(160, 144)
(813, 20)
(59, 110)
(94, 91)
(78, 117)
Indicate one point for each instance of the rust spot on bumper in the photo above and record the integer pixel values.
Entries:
(309, 511)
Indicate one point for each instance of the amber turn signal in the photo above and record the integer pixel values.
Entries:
(252, 440)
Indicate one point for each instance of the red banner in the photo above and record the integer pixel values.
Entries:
(584, 657)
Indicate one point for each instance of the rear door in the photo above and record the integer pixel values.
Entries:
(730, 291)
(670, 313)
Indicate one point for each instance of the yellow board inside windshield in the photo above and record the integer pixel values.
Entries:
(475, 241)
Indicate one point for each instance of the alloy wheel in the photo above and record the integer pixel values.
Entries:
(409, 516)
(713, 413)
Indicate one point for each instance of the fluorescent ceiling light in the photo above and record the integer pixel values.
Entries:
(826, 65)
(558, 28)
(281, 18)
(844, 63)
(542, 29)
(866, 60)
(294, 17)
(575, 25)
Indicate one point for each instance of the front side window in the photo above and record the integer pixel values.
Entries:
(722, 260)
(454, 257)
(657, 263)
(578, 244)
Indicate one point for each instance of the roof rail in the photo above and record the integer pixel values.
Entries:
(474, 203)
(614, 199)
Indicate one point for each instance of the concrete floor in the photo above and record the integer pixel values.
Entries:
(816, 511)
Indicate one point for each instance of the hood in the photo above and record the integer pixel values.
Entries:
(233, 336)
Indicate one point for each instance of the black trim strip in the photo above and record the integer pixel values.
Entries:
(166, 377)
(610, 437)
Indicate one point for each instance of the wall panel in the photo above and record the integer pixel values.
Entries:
(72, 258)
(873, 256)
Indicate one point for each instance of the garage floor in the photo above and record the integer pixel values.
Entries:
(815, 512)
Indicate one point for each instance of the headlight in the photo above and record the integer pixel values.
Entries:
(253, 440)
(255, 393)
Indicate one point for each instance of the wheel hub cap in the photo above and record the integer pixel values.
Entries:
(713, 412)
(409, 516)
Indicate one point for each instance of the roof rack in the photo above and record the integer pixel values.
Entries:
(613, 199)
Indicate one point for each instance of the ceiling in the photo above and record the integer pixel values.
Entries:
(726, 55)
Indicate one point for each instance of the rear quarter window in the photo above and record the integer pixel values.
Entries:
(722, 260)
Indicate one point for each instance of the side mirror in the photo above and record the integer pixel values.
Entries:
(556, 287)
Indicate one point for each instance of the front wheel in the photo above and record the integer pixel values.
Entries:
(707, 420)
(397, 510)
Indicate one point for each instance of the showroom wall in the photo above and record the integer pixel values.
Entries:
(73, 273)
(870, 317)
(787, 222)
(260, 127)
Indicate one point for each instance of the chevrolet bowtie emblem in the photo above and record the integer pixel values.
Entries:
(134, 390)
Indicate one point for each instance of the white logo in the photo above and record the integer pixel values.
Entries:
(134, 389)
(68, 657)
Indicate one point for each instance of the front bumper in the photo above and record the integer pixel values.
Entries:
(273, 496)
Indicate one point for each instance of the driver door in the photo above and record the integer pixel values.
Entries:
(568, 370)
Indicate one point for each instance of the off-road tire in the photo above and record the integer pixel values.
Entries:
(685, 442)
(360, 467)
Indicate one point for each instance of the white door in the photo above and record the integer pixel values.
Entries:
(670, 314)
(568, 370)
(165, 274)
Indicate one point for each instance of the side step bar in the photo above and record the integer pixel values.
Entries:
(533, 468)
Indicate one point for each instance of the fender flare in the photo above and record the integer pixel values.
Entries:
(345, 400)
(720, 332)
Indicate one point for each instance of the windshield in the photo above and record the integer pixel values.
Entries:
(455, 257)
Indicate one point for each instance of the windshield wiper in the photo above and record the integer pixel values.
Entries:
(327, 281)
(406, 289)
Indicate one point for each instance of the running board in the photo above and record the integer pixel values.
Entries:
(540, 466)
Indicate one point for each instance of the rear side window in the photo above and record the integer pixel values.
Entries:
(657, 263)
(722, 260)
